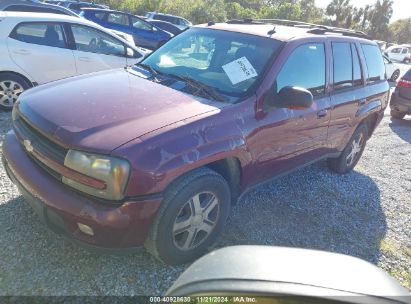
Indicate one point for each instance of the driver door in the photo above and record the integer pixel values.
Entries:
(287, 138)
(96, 51)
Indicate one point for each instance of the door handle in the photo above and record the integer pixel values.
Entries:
(85, 59)
(21, 52)
(322, 113)
(362, 102)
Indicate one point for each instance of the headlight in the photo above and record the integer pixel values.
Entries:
(109, 174)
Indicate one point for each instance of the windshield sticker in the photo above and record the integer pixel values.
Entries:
(239, 70)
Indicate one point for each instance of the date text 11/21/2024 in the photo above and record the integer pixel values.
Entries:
(204, 299)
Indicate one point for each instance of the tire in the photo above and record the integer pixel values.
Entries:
(406, 61)
(395, 75)
(175, 224)
(11, 86)
(345, 163)
(397, 114)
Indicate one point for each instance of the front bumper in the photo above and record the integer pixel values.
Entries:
(61, 208)
(400, 104)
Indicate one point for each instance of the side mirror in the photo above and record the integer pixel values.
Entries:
(294, 98)
(130, 52)
(317, 276)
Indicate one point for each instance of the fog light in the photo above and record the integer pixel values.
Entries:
(85, 229)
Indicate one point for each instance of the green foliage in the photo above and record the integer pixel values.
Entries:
(288, 11)
(379, 20)
(372, 19)
(401, 32)
(236, 11)
(208, 10)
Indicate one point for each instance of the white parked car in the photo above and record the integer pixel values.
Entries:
(391, 69)
(400, 53)
(39, 48)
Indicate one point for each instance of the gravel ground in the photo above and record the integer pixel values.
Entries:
(366, 214)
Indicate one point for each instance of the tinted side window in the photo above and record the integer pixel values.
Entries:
(357, 72)
(49, 34)
(375, 64)
(407, 75)
(343, 67)
(140, 24)
(396, 51)
(90, 40)
(312, 58)
(77, 7)
(116, 18)
(99, 15)
(404, 51)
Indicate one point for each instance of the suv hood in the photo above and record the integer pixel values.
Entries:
(100, 112)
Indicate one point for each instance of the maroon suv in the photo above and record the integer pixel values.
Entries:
(155, 154)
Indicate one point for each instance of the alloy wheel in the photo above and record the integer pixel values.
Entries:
(196, 220)
(395, 75)
(9, 92)
(356, 147)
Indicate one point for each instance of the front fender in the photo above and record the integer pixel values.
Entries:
(161, 156)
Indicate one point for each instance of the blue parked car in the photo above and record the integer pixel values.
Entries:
(165, 26)
(145, 34)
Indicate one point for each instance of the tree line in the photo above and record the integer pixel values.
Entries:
(372, 19)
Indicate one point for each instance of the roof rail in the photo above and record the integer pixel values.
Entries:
(336, 30)
(244, 21)
(313, 28)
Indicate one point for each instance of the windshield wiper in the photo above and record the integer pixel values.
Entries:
(208, 90)
(149, 68)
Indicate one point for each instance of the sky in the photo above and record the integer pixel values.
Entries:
(402, 8)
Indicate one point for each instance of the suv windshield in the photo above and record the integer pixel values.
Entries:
(229, 63)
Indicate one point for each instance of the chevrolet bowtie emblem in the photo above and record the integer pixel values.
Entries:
(28, 146)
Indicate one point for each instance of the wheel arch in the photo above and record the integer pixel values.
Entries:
(29, 82)
(371, 122)
(230, 169)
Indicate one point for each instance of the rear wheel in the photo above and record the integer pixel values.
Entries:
(191, 217)
(351, 153)
(397, 114)
(11, 86)
(407, 60)
(395, 75)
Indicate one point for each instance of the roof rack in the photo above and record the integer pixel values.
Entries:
(313, 28)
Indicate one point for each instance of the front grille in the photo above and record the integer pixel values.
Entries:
(41, 144)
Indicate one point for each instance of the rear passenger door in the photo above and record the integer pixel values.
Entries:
(96, 51)
(144, 33)
(40, 49)
(348, 92)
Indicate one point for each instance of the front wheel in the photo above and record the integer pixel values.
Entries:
(11, 86)
(192, 215)
(351, 153)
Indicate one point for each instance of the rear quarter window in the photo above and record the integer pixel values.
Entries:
(48, 34)
(407, 75)
(374, 62)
